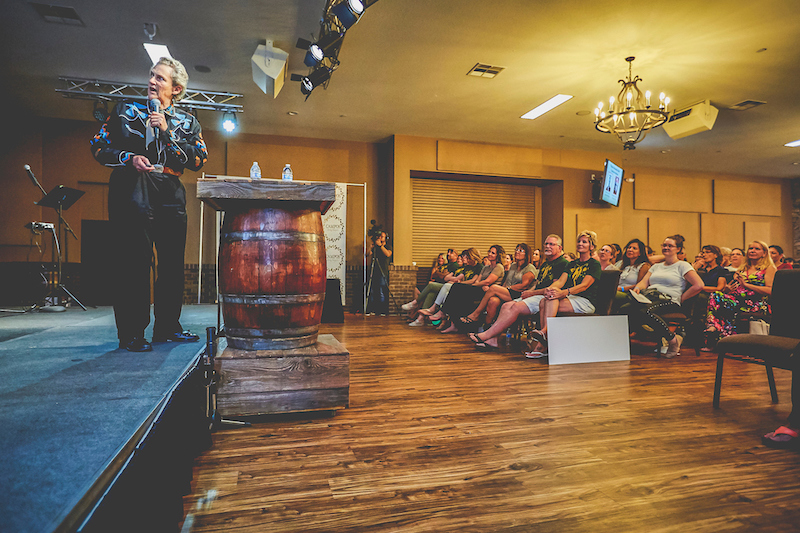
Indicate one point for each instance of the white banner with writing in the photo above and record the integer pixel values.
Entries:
(334, 223)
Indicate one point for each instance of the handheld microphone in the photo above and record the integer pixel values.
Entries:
(154, 106)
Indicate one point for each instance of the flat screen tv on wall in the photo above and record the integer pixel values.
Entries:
(611, 183)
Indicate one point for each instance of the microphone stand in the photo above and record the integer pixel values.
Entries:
(60, 198)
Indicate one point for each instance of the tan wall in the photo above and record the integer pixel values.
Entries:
(58, 153)
(666, 202)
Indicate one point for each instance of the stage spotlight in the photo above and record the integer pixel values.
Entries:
(348, 12)
(316, 52)
(313, 80)
(229, 122)
(100, 111)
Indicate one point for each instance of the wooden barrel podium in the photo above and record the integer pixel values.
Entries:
(272, 276)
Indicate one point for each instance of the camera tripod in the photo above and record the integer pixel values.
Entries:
(385, 276)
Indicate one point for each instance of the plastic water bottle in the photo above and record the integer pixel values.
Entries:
(286, 175)
(255, 171)
(508, 337)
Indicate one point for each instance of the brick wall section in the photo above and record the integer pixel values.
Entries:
(402, 282)
(354, 289)
(209, 294)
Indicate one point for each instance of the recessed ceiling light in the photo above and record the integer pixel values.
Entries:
(202, 68)
(583, 113)
(156, 51)
(291, 113)
(541, 109)
(793, 144)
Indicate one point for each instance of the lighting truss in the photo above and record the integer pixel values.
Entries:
(332, 29)
(113, 91)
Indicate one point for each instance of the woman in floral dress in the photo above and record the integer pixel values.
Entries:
(747, 292)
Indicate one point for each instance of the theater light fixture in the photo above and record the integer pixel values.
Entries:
(100, 111)
(348, 12)
(314, 80)
(229, 122)
(631, 114)
(327, 46)
(322, 55)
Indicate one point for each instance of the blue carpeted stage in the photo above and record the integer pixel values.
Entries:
(87, 427)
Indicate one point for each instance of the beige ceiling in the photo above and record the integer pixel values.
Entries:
(403, 69)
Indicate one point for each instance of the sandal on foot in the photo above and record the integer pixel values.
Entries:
(782, 438)
(539, 336)
(467, 320)
(483, 347)
(535, 354)
(474, 338)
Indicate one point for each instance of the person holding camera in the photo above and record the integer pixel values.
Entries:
(379, 256)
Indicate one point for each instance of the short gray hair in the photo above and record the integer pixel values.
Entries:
(179, 75)
(557, 238)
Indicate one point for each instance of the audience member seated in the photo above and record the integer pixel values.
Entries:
(618, 255)
(726, 256)
(562, 294)
(521, 275)
(665, 286)
(429, 292)
(710, 268)
(634, 265)
(471, 267)
(736, 260)
(607, 255)
(537, 259)
(747, 292)
(776, 253)
(465, 294)
(714, 277)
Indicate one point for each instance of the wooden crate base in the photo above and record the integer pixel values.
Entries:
(261, 382)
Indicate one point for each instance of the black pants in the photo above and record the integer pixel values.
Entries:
(649, 315)
(147, 210)
(462, 300)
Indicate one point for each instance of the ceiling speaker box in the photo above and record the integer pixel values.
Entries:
(695, 119)
(269, 68)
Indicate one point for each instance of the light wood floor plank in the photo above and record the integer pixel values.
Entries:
(440, 437)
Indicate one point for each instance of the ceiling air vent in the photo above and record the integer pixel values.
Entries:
(482, 70)
(58, 14)
(746, 104)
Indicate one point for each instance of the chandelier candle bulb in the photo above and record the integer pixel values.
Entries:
(629, 97)
(647, 98)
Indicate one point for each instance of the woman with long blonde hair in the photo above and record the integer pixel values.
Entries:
(747, 292)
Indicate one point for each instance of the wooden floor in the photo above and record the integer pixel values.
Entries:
(442, 438)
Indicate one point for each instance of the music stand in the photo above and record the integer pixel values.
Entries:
(61, 198)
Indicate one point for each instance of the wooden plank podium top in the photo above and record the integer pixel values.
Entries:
(227, 192)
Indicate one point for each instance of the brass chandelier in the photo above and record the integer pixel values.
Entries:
(630, 114)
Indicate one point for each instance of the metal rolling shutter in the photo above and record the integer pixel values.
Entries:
(459, 214)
